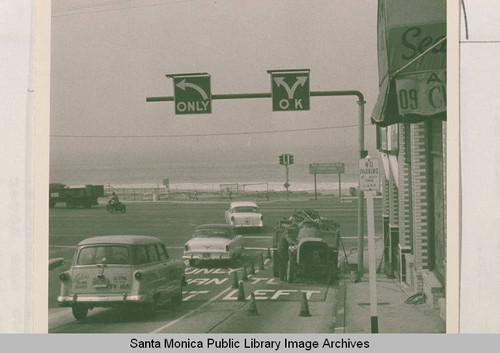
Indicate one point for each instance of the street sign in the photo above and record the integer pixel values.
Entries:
(290, 89)
(192, 94)
(369, 174)
(326, 168)
(422, 93)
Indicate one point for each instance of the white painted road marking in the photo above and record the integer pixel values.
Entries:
(190, 312)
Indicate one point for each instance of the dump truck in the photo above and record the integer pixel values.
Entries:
(75, 196)
(306, 246)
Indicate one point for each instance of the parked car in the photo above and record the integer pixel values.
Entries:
(241, 214)
(213, 242)
(118, 270)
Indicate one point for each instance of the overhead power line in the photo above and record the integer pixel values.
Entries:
(83, 7)
(208, 135)
(123, 8)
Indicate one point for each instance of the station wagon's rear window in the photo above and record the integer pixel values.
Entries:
(245, 209)
(212, 233)
(108, 254)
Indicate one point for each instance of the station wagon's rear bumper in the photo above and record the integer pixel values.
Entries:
(101, 300)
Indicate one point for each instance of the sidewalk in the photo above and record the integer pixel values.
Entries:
(394, 315)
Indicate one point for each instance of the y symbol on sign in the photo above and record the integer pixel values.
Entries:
(280, 81)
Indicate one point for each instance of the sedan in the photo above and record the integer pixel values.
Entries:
(213, 242)
(244, 214)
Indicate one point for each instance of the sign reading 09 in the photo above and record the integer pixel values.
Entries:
(290, 89)
(192, 94)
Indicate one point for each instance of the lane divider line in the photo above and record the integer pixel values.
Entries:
(191, 312)
(253, 248)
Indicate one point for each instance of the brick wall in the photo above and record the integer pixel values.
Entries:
(404, 194)
(393, 202)
(385, 197)
(420, 197)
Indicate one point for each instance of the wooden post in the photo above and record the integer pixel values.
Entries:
(340, 187)
(315, 189)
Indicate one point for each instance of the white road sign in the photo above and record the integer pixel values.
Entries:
(369, 174)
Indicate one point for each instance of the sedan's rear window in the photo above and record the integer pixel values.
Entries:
(245, 209)
(104, 254)
(212, 233)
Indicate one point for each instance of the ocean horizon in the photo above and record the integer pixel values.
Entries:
(207, 178)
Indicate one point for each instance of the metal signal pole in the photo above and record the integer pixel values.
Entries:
(286, 182)
(361, 218)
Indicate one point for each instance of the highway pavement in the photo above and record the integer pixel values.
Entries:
(210, 303)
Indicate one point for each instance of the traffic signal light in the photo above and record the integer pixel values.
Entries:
(281, 159)
(290, 159)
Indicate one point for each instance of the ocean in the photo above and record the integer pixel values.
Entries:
(252, 176)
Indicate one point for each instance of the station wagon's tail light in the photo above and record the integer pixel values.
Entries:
(186, 247)
(138, 275)
(64, 276)
(227, 248)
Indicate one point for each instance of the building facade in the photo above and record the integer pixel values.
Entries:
(411, 136)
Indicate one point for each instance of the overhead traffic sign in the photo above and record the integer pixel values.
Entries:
(369, 174)
(192, 94)
(290, 89)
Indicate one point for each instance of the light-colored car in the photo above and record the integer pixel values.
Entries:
(213, 242)
(117, 270)
(244, 214)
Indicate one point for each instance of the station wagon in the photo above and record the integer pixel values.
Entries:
(121, 270)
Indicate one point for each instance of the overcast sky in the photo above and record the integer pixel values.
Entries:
(106, 59)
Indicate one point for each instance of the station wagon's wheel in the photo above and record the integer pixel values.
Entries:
(150, 308)
(80, 311)
(177, 298)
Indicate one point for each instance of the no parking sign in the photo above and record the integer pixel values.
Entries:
(369, 174)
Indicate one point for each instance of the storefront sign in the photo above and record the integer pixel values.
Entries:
(422, 93)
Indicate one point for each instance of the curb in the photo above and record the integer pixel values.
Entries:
(339, 319)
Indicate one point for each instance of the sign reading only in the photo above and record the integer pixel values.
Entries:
(326, 168)
(290, 89)
(192, 94)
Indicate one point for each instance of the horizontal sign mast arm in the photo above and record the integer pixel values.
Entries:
(265, 95)
(339, 93)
